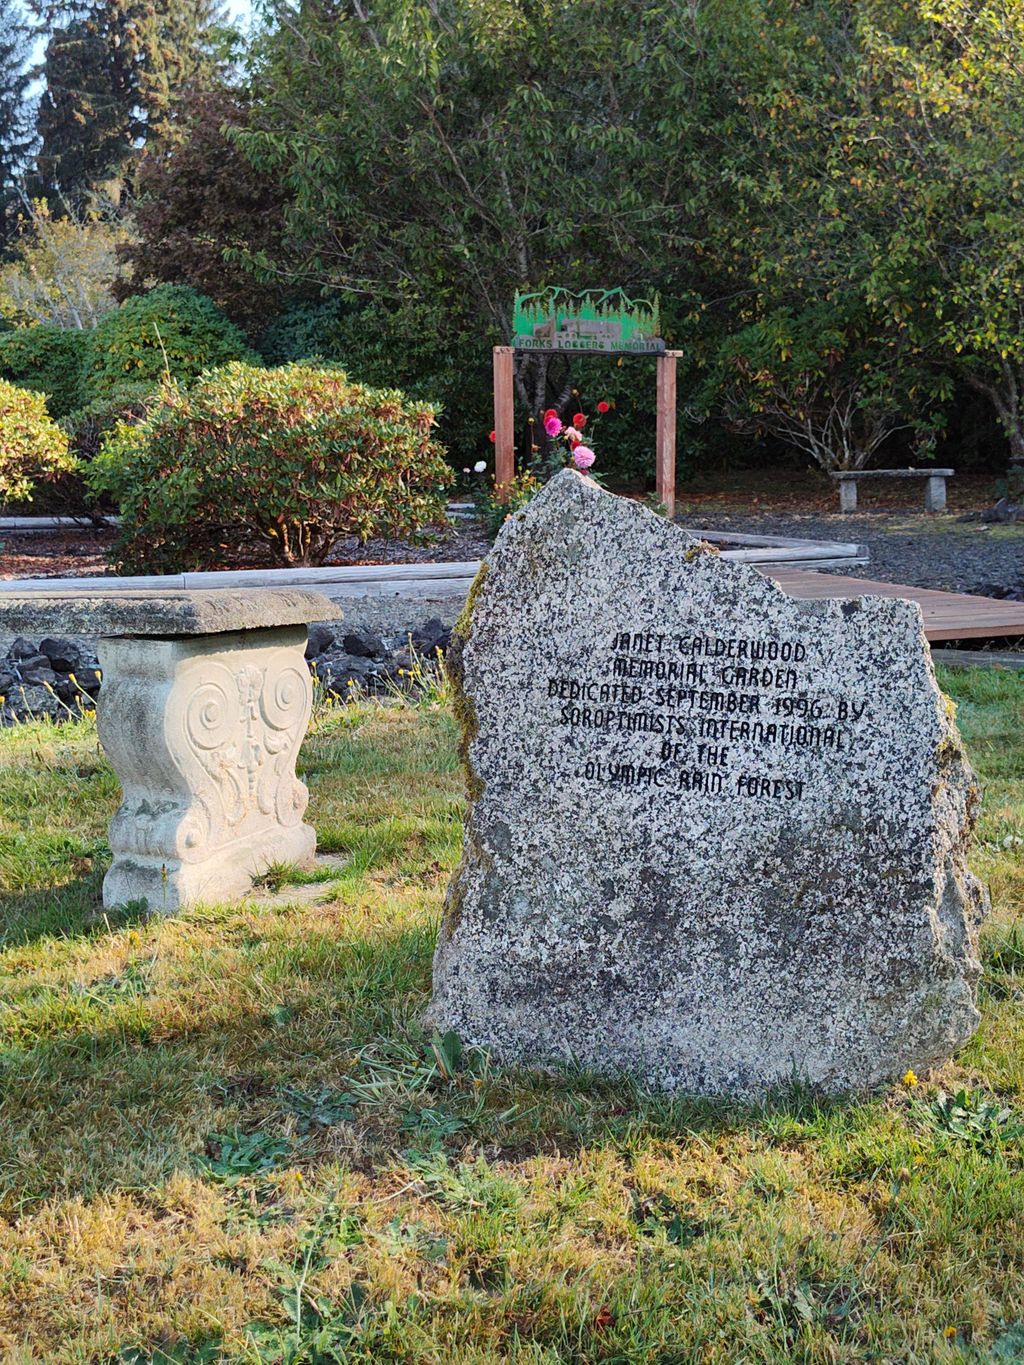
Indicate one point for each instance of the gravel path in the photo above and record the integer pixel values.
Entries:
(950, 553)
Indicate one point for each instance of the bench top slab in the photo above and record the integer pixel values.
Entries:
(893, 474)
(159, 614)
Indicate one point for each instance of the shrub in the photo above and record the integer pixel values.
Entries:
(308, 329)
(273, 465)
(87, 425)
(32, 445)
(47, 359)
(172, 329)
(411, 344)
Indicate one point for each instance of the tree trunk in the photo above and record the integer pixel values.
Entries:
(533, 379)
(1005, 398)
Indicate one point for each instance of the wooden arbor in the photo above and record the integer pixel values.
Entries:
(665, 438)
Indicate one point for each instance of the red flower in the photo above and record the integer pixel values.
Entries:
(550, 413)
(492, 437)
(603, 406)
(579, 420)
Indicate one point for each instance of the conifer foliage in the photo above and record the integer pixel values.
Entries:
(15, 125)
(113, 73)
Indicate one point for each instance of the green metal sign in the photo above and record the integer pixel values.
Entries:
(595, 320)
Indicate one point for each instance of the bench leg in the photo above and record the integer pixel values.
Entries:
(935, 494)
(847, 495)
(203, 733)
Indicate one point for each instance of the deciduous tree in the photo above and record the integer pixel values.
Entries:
(200, 205)
(438, 158)
(938, 145)
(62, 269)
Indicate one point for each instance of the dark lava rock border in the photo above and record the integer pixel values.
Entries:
(59, 678)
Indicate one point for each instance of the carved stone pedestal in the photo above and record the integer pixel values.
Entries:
(204, 704)
(203, 734)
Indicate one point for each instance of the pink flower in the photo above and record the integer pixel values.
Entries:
(583, 457)
(572, 435)
(552, 425)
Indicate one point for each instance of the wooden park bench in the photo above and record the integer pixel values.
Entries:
(934, 488)
(205, 700)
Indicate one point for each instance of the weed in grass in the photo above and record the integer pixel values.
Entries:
(428, 1129)
(973, 1117)
(321, 1108)
(322, 1333)
(795, 1308)
(658, 1216)
(234, 1156)
(315, 1329)
(1008, 1346)
(279, 875)
(181, 1353)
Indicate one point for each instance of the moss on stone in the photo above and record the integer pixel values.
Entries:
(453, 907)
(462, 707)
(460, 630)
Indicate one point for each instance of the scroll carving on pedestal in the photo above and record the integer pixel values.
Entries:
(206, 743)
(244, 729)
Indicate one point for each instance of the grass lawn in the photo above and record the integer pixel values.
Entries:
(224, 1136)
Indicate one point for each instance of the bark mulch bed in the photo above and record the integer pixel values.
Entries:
(955, 551)
(82, 553)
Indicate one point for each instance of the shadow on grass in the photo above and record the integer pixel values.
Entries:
(73, 909)
(316, 1049)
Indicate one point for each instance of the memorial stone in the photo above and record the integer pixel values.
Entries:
(716, 836)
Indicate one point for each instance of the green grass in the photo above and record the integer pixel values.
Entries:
(225, 1137)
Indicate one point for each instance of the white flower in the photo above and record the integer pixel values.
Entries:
(480, 466)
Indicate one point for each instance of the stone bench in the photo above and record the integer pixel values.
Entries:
(934, 488)
(205, 701)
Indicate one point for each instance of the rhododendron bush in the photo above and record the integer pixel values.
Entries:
(269, 466)
(32, 445)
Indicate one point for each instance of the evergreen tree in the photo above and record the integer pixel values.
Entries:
(179, 43)
(114, 73)
(15, 125)
(87, 122)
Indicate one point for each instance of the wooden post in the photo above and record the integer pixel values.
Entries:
(665, 439)
(504, 421)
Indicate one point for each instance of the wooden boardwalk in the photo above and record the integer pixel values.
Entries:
(947, 615)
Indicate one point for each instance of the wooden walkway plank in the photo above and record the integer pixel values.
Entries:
(947, 615)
